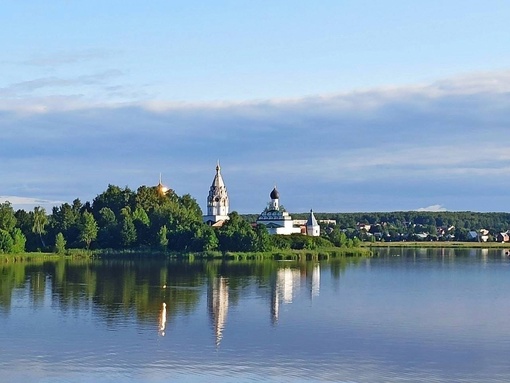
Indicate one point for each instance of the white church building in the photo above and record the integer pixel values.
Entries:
(275, 218)
(217, 201)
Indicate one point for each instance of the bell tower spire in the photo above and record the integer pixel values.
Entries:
(217, 200)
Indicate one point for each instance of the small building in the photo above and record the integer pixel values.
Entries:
(472, 235)
(275, 218)
(484, 235)
(363, 226)
(217, 201)
(328, 221)
(503, 237)
(312, 226)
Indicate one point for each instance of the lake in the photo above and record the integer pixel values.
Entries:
(406, 315)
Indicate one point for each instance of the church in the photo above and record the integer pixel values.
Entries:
(274, 217)
(217, 201)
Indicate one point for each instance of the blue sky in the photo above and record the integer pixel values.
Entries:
(344, 105)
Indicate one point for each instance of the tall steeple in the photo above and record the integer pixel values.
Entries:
(217, 200)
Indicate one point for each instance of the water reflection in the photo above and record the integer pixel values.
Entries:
(407, 315)
(159, 290)
(217, 302)
(289, 280)
(162, 320)
(153, 287)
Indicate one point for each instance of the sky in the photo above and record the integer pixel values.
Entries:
(345, 106)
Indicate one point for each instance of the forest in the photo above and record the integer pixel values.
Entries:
(149, 219)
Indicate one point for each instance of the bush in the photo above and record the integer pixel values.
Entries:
(6, 242)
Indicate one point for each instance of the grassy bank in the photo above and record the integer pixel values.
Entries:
(39, 256)
(317, 254)
(436, 244)
(301, 255)
(323, 253)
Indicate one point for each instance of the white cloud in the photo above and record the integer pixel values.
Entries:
(432, 208)
(28, 203)
(381, 149)
(24, 87)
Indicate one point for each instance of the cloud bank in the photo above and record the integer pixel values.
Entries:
(432, 208)
(371, 150)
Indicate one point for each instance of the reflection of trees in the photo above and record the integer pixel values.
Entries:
(140, 287)
(11, 276)
(117, 289)
(340, 264)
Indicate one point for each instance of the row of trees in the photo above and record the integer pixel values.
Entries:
(406, 221)
(149, 218)
(409, 225)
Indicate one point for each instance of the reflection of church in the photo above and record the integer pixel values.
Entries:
(217, 303)
(288, 282)
(274, 217)
(286, 286)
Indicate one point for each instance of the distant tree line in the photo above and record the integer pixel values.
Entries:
(148, 219)
(409, 224)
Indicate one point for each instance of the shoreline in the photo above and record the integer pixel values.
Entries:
(303, 254)
(438, 244)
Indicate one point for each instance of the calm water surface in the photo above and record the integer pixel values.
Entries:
(404, 316)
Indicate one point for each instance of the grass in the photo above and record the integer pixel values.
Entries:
(287, 254)
(39, 256)
(438, 244)
(301, 255)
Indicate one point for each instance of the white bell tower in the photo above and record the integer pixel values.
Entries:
(217, 200)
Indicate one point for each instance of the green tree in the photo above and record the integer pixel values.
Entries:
(142, 223)
(236, 234)
(109, 234)
(18, 241)
(202, 238)
(210, 240)
(7, 217)
(88, 228)
(127, 228)
(190, 205)
(338, 237)
(140, 215)
(114, 198)
(262, 238)
(65, 219)
(163, 237)
(60, 244)
(40, 222)
(148, 198)
(25, 222)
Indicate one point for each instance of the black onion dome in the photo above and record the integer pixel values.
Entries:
(274, 194)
